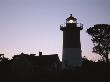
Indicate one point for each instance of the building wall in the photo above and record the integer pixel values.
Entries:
(71, 38)
(71, 47)
(71, 57)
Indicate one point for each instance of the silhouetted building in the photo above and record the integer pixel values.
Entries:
(26, 65)
(71, 43)
(2, 55)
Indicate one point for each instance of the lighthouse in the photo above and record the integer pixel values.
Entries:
(71, 54)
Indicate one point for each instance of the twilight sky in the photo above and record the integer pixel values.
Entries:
(31, 26)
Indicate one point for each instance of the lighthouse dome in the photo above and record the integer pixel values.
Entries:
(71, 19)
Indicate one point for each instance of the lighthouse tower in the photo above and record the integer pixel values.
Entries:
(71, 43)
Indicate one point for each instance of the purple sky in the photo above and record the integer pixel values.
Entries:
(31, 26)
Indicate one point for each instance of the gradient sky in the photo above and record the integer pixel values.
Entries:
(31, 26)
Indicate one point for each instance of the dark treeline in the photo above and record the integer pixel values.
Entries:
(90, 71)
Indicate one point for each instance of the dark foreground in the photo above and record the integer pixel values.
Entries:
(90, 71)
(95, 72)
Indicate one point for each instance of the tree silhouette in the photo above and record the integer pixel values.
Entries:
(5, 68)
(101, 39)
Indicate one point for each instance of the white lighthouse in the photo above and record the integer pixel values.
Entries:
(71, 43)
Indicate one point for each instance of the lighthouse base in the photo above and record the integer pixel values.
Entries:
(71, 58)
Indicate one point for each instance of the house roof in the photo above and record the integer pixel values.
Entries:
(38, 60)
(44, 59)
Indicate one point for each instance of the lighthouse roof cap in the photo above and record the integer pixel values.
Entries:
(71, 18)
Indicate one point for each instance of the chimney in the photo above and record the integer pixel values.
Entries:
(40, 53)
